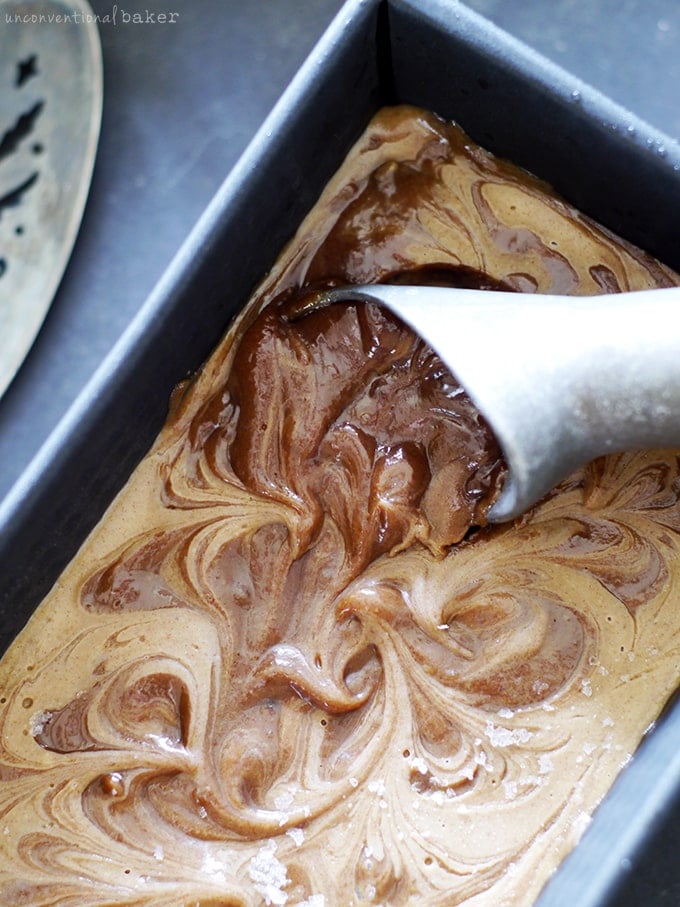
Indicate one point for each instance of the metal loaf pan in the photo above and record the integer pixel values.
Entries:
(437, 54)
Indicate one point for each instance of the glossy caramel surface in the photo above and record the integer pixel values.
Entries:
(291, 665)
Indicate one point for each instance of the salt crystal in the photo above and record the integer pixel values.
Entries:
(38, 723)
(418, 764)
(377, 787)
(158, 852)
(354, 782)
(503, 736)
(297, 834)
(586, 688)
(580, 823)
(214, 868)
(510, 789)
(481, 759)
(269, 875)
(283, 801)
(545, 764)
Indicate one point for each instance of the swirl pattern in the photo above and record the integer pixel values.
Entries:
(292, 665)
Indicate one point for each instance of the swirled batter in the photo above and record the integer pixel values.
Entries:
(292, 665)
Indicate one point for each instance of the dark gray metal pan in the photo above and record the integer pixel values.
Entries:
(438, 54)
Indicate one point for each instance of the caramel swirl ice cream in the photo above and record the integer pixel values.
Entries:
(292, 664)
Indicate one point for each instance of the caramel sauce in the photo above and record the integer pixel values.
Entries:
(292, 665)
